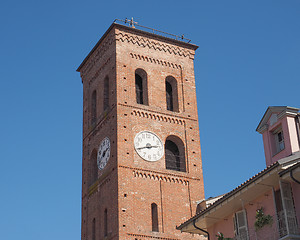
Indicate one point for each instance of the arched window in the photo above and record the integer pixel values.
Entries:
(171, 94)
(141, 87)
(154, 216)
(175, 154)
(105, 223)
(94, 229)
(106, 94)
(94, 107)
(93, 173)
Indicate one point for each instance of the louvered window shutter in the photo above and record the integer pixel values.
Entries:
(241, 225)
(289, 208)
(235, 226)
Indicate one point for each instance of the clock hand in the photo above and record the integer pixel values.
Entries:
(141, 147)
(103, 154)
(148, 145)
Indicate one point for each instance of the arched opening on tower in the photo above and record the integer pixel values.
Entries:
(141, 89)
(171, 94)
(154, 216)
(175, 154)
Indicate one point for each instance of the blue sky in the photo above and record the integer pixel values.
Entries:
(248, 59)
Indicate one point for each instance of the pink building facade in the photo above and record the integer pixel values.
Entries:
(280, 130)
(267, 206)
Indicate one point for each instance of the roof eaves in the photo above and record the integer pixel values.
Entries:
(289, 169)
(229, 194)
(281, 109)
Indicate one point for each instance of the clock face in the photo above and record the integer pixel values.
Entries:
(103, 153)
(148, 146)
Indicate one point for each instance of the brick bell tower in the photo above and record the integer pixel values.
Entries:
(141, 165)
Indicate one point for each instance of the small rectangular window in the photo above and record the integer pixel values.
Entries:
(154, 216)
(94, 229)
(105, 223)
(278, 140)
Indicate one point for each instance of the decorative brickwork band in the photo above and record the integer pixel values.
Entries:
(161, 174)
(156, 45)
(155, 61)
(158, 177)
(157, 117)
(142, 237)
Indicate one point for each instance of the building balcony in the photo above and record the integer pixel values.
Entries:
(284, 227)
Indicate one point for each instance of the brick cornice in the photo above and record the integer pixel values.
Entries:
(160, 113)
(143, 236)
(153, 44)
(155, 60)
(163, 174)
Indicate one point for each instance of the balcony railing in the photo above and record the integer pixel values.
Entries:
(287, 225)
(283, 227)
(131, 23)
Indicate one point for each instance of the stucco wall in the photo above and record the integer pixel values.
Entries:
(226, 227)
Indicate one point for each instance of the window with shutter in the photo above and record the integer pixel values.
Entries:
(280, 214)
(288, 208)
(277, 140)
(240, 225)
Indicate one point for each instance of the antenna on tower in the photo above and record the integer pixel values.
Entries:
(131, 22)
(134, 24)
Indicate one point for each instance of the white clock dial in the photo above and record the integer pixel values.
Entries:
(103, 153)
(148, 146)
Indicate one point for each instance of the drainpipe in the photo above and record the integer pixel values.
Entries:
(194, 223)
(298, 128)
(292, 177)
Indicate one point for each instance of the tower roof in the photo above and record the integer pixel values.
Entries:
(138, 31)
(283, 110)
